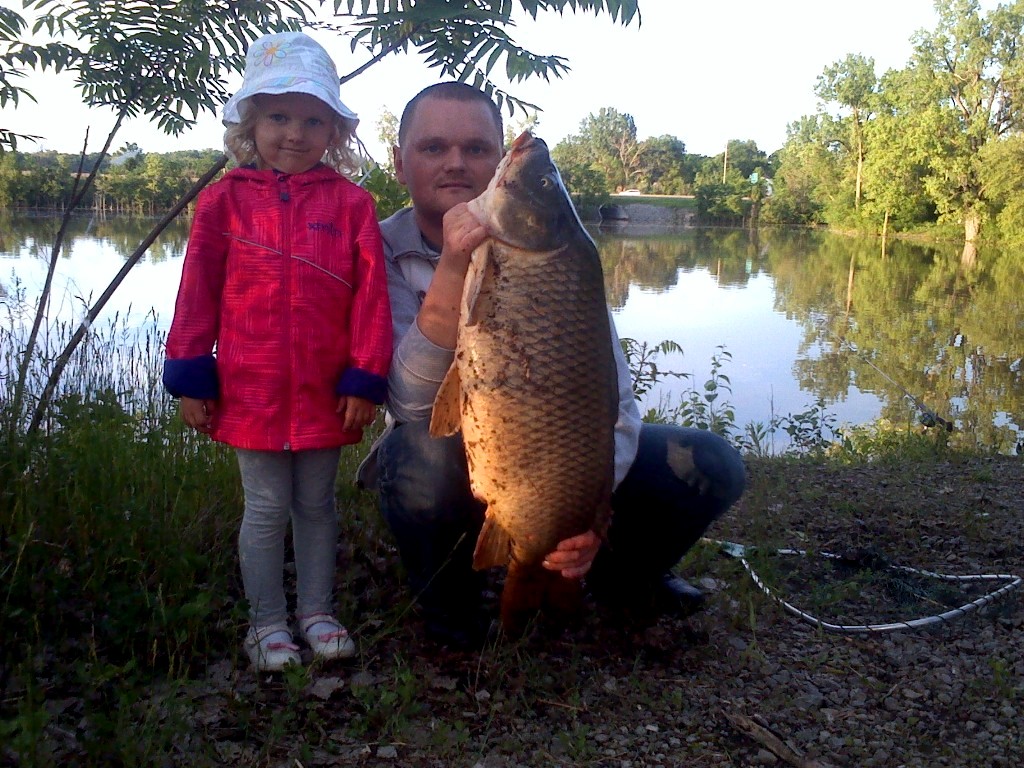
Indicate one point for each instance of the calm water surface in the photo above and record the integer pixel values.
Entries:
(805, 316)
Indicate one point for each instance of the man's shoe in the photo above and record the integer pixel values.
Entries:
(678, 597)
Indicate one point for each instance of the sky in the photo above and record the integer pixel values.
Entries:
(704, 72)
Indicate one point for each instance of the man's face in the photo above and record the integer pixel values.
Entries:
(449, 154)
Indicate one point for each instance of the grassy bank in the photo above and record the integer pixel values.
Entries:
(122, 613)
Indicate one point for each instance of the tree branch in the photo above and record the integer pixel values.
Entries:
(65, 356)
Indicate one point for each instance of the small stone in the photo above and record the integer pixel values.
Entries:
(737, 643)
(809, 699)
(325, 686)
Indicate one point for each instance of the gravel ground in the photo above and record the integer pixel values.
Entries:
(742, 684)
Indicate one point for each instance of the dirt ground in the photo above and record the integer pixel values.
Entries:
(744, 683)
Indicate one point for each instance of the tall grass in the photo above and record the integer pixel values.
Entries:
(118, 564)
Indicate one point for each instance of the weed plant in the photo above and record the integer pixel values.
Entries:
(115, 537)
(119, 567)
(813, 432)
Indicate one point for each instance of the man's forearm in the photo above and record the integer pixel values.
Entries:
(438, 318)
(417, 369)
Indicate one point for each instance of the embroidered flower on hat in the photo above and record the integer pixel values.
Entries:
(272, 51)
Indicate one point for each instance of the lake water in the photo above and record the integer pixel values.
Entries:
(804, 316)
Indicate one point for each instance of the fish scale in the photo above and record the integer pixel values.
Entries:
(533, 385)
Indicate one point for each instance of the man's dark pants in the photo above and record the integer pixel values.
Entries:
(681, 481)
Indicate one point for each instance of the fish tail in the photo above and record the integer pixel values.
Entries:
(522, 596)
(564, 601)
(529, 589)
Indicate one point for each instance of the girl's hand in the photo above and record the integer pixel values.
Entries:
(356, 412)
(198, 414)
(573, 557)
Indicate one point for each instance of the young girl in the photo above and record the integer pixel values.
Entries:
(281, 337)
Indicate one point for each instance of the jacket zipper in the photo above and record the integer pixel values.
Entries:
(286, 227)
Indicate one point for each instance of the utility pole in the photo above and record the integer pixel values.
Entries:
(725, 161)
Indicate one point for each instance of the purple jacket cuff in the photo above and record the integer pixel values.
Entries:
(358, 383)
(192, 377)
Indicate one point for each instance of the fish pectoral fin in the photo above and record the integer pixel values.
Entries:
(477, 294)
(446, 417)
(493, 546)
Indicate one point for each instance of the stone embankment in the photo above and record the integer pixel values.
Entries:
(643, 213)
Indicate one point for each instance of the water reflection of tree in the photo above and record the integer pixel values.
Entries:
(653, 261)
(34, 235)
(920, 323)
(124, 235)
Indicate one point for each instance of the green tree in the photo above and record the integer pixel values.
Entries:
(723, 186)
(663, 166)
(608, 139)
(10, 179)
(380, 180)
(587, 186)
(902, 140)
(973, 67)
(806, 182)
(1002, 169)
(12, 26)
(719, 201)
(851, 84)
(743, 157)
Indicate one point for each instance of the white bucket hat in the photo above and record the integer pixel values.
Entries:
(287, 62)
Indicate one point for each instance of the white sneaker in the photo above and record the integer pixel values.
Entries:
(326, 637)
(270, 648)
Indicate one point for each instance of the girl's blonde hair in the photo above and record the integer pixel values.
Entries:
(341, 154)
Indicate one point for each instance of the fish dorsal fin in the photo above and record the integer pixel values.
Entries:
(446, 417)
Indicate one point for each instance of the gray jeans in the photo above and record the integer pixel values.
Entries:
(279, 485)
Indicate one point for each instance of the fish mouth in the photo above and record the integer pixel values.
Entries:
(523, 143)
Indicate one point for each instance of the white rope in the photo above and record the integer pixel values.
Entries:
(739, 551)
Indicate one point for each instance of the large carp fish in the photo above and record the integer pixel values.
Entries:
(533, 385)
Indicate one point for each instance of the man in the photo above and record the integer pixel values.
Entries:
(671, 482)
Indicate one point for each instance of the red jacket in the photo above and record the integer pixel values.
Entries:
(282, 308)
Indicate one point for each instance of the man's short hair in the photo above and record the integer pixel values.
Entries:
(451, 92)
